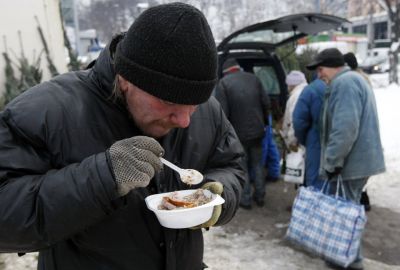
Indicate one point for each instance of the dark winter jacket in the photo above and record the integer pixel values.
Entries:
(57, 192)
(245, 103)
(306, 117)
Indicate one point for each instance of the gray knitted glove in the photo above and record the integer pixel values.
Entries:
(134, 162)
(216, 188)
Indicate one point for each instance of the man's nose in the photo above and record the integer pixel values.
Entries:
(181, 115)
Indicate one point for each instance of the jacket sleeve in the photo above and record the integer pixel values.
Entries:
(39, 204)
(302, 118)
(226, 165)
(345, 107)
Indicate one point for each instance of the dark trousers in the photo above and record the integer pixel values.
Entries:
(256, 172)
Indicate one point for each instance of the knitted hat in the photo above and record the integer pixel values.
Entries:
(351, 60)
(295, 77)
(169, 52)
(327, 58)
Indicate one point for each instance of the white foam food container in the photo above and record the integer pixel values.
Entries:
(183, 217)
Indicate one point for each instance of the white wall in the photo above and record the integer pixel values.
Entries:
(19, 15)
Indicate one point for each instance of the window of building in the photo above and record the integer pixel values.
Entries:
(380, 30)
(360, 29)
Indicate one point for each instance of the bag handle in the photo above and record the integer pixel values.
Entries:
(326, 184)
(339, 185)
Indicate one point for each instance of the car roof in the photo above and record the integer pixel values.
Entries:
(273, 33)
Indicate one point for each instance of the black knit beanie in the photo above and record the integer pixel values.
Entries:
(351, 60)
(169, 52)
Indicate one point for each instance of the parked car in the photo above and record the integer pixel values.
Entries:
(254, 48)
(377, 61)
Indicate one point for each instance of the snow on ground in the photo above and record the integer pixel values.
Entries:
(384, 189)
(250, 251)
(13, 262)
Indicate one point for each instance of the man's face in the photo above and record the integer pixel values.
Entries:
(326, 73)
(153, 116)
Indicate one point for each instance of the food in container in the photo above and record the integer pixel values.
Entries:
(184, 217)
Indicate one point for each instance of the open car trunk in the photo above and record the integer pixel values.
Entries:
(254, 48)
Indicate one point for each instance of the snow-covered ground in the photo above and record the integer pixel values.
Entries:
(385, 188)
(225, 251)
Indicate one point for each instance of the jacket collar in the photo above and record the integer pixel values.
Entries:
(344, 70)
(298, 88)
(102, 72)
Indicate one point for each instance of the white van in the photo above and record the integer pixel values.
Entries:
(377, 61)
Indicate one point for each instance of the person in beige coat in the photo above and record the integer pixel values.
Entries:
(296, 81)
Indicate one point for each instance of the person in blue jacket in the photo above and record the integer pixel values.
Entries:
(306, 116)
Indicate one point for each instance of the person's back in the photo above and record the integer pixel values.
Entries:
(352, 103)
(245, 103)
(351, 61)
(306, 118)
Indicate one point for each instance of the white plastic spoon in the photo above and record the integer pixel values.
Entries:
(188, 176)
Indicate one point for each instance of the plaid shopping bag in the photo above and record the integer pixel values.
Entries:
(327, 225)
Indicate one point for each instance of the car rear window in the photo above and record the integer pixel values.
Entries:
(265, 36)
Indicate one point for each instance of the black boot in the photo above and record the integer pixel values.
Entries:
(365, 201)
